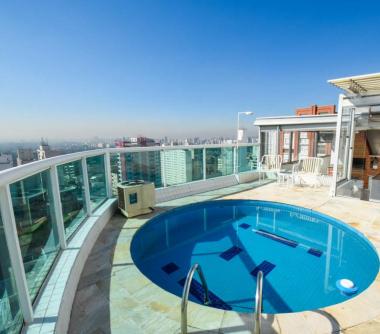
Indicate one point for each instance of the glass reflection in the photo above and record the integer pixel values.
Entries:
(70, 180)
(182, 166)
(10, 314)
(36, 227)
(141, 166)
(97, 180)
(247, 158)
(115, 172)
(219, 162)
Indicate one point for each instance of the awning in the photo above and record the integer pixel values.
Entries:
(367, 84)
(298, 123)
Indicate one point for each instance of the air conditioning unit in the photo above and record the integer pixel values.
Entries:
(136, 197)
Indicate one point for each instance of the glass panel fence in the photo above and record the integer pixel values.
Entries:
(97, 180)
(10, 313)
(141, 166)
(115, 172)
(182, 166)
(247, 158)
(219, 162)
(36, 227)
(70, 181)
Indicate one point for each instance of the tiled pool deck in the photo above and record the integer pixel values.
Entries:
(113, 296)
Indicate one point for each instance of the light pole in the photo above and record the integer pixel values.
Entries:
(247, 113)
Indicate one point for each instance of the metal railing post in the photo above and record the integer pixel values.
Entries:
(57, 205)
(258, 303)
(107, 171)
(236, 157)
(86, 186)
(204, 163)
(186, 291)
(14, 250)
(163, 169)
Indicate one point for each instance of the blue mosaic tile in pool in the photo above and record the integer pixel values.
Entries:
(231, 253)
(196, 289)
(170, 268)
(315, 252)
(266, 267)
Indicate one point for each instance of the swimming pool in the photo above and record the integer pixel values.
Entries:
(302, 253)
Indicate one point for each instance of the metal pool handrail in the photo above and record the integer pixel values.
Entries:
(186, 291)
(258, 303)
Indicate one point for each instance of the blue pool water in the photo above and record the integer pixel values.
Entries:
(301, 252)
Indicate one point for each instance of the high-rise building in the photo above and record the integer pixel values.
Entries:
(142, 166)
(226, 161)
(177, 165)
(6, 161)
(139, 165)
(24, 156)
(44, 151)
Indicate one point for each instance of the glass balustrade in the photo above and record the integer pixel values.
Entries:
(97, 180)
(141, 166)
(219, 162)
(115, 172)
(182, 166)
(33, 205)
(36, 227)
(70, 179)
(247, 158)
(10, 313)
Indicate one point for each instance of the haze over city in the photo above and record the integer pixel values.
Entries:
(74, 70)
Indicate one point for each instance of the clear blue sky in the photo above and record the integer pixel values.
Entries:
(74, 69)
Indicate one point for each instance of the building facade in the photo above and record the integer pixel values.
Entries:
(6, 161)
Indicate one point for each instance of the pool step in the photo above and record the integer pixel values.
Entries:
(196, 290)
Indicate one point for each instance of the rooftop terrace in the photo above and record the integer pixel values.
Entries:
(66, 264)
(114, 296)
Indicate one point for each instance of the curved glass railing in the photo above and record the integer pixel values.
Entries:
(43, 203)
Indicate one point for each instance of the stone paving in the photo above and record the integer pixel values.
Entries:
(113, 296)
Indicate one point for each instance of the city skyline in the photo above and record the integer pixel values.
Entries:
(73, 71)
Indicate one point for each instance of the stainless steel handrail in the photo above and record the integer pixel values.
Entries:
(258, 303)
(186, 291)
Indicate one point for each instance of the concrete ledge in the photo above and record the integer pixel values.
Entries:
(197, 187)
(53, 308)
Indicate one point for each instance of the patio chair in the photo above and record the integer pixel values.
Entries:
(308, 171)
(270, 164)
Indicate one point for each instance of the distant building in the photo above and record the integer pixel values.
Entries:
(135, 141)
(139, 165)
(24, 156)
(219, 162)
(44, 151)
(177, 165)
(6, 161)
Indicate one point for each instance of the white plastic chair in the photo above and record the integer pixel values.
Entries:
(308, 171)
(270, 163)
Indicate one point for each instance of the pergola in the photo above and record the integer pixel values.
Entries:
(361, 85)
